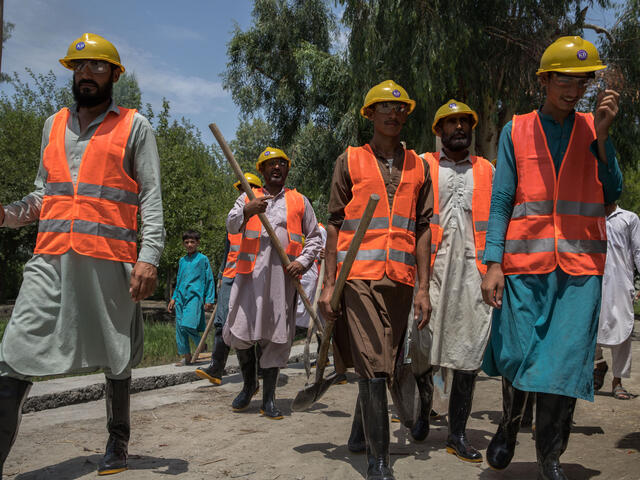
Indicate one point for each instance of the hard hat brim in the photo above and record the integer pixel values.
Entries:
(592, 68)
(411, 103)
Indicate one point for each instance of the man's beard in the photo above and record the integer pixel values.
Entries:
(456, 144)
(101, 95)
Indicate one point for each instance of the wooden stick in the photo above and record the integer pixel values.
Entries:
(265, 221)
(310, 329)
(203, 340)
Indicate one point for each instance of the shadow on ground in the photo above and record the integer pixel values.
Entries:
(529, 471)
(78, 467)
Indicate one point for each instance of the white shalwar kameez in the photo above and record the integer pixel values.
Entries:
(616, 313)
(460, 321)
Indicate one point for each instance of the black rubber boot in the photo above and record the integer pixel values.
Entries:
(258, 355)
(554, 414)
(527, 415)
(460, 402)
(357, 443)
(373, 399)
(269, 382)
(247, 359)
(503, 444)
(13, 393)
(215, 370)
(420, 429)
(118, 425)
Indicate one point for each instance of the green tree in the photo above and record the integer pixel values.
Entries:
(197, 193)
(21, 118)
(482, 53)
(620, 49)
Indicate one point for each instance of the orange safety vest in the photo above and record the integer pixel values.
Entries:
(250, 243)
(480, 205)
(97, 216)
(556, 220)
(232, 256)
(389, 243)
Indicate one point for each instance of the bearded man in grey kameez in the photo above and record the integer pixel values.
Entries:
(76, 312)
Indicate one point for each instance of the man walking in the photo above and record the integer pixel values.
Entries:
(460, 323)
(545, 253)
(618, 292)
(78, 308)
(378, 293)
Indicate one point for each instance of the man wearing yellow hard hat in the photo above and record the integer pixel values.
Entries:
(545, 253)
(262, 308)
(78, 308)
(220, 351)
(458, 332)
(392, 258)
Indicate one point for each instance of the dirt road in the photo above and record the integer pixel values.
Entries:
(190, 432)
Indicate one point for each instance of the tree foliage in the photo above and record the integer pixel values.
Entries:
(483, 53)
(620, 49)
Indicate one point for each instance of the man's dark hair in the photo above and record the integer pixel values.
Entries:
(192, 234)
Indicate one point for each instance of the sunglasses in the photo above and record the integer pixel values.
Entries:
(388, 107)
(95, 66)
(569, 81)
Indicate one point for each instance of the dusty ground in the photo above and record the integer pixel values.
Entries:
(190, 432)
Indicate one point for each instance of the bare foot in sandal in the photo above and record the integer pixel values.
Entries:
(618, 391)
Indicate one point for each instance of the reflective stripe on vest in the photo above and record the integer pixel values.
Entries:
(389, 243)
(557, 220)
(232, 256)
(250, 240)
(480, 205)
(98, 216)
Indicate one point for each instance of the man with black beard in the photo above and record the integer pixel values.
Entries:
(458, 332)
(78, 308)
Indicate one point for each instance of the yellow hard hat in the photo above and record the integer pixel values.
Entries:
(453, 107)
(270, 153)
(91, 47)
(253, 180)
(570, 55)
(387, 91)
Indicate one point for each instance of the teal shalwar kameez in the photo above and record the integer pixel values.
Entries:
(543, 338)
(194, 288)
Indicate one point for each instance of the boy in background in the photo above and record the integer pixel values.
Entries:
(194, 293)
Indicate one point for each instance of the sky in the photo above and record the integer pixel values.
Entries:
(177, 50)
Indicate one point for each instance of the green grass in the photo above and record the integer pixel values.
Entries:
(159, 342)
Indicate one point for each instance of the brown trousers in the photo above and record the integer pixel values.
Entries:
(373, 325)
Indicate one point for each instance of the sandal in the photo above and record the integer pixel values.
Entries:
(619, 393)
(598, 374)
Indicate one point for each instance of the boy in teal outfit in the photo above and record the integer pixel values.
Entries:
(194, 293)
(545, 251)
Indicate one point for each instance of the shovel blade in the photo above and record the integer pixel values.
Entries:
(312, 393)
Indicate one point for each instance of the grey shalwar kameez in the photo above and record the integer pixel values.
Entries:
(74, 313)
